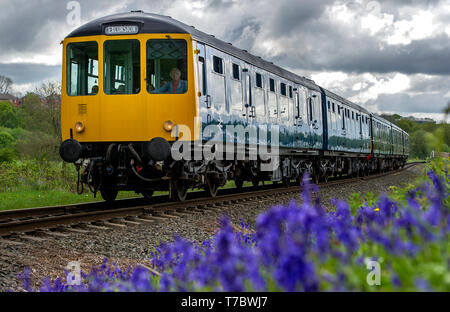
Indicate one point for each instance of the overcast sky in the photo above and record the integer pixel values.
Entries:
(389, 56)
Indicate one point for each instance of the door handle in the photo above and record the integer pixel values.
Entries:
(208, 101)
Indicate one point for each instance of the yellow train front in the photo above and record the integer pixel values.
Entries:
(128, 79)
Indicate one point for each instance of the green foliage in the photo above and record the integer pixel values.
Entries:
(4, 107)
(36, 175)
(34, 127)
(7, 152)
(418, 146)
(6, 139)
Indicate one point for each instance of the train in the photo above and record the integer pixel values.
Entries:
(147, 104)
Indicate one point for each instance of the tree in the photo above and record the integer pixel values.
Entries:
(5, 84)
(418, 147)
(51, 93)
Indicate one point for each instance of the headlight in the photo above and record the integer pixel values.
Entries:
(79, 127)
(168, 125)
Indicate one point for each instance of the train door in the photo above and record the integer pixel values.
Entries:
(248, 111)
(316, 121)
(216, 86)
(361, 132)
(311, 120)
(205, 98)
(298, 122)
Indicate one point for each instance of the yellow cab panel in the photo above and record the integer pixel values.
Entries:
(109, 92)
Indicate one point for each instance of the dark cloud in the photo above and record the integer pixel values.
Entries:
(30, 73)
(307, 38)
(431, 84)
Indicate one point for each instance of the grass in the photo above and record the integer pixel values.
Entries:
(410, 160)
(31, 199)
(23, 197)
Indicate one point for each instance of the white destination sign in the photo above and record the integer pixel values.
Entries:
(122, 30)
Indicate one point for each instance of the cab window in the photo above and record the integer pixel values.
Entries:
(167, 66)
(82, 68)
(122, 67)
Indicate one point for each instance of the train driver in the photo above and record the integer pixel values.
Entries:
(174, 86)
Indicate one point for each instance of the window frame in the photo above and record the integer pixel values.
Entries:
(272, 82)
(140, 65)
(281, 89)
(69, 71)
(261, 80)
(233, 66)
(215, 57)
(201, 59)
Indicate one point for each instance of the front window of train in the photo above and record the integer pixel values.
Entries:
(122, 67)
(82, 68)
(167, 66)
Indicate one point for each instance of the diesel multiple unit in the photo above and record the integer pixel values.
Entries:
(130, 81)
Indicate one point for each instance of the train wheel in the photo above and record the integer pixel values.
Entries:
(238, 182)
(316, 177)
(286, 182)
(148, 194)
(109, 195)
(178, 190)
(211, 187)
(255, 181)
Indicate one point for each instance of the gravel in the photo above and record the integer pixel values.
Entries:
(130, 246)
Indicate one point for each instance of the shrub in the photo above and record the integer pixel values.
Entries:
(36, 175)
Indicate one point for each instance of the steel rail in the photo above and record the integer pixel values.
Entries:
(29, 220)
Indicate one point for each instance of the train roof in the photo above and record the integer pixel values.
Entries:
(153, 23)
(345, 101)
(394, 126)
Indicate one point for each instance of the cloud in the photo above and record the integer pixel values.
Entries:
(23, 73)
(373, 52)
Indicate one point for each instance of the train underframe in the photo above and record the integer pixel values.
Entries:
(111, 167)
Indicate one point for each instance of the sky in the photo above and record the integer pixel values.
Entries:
(388, 56)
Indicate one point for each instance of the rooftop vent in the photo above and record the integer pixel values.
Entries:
(137, 11)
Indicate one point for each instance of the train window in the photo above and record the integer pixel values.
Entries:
(202, 74)
(310, 110)
(291, 95)
(122, 59)
(82, 68)
(272, 85)
(259, 82)
(332, 105)
(236, 74)
(218, 65)
(353, 115)
(167, 61)
(329, 106)
(283, 89)
(343, 121)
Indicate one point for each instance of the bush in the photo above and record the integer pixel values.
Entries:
(36, 175)
(7, 154)
(303, 248)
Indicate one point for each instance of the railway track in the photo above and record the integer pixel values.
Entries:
(57, 221)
